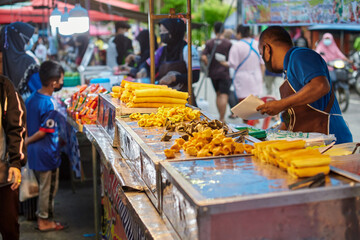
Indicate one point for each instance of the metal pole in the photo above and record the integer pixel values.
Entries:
(94, 168)
(189, 52)
(152, 41)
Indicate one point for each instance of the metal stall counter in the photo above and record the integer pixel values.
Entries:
(230, 196)
(127, 212)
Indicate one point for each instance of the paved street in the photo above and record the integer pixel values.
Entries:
(207, 93)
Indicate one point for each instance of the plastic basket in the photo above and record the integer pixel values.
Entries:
(71, 81)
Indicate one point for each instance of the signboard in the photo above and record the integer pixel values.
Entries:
(300, 12)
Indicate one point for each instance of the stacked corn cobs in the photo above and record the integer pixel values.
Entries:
(293, 157)
(143, 95)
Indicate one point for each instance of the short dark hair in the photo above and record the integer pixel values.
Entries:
(50, 71)
(218, 27)
(121, 24)
(276, 34)
(243, 30)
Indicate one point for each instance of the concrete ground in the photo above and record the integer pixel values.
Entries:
(74, 209)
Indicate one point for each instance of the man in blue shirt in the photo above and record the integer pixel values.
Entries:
(307, 100)
(43, 141)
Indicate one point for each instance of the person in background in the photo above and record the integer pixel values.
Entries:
(141, 46)
(229, 35)
(249, 68)
(357, 44)
(219, 74)
(41, 50)
(171, 58)
(12, 154)
(123, 44)
(53, 49)
(14, 38)
(328, 49)
(81, 43)
(307, 90)
(42, 143)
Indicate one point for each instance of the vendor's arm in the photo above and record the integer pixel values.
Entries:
(314, 90)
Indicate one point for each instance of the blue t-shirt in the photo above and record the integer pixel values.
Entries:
(43, 155)
(304, 64)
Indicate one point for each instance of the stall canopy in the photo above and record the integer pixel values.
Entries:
(36, 11)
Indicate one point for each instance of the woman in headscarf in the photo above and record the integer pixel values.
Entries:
(141, 46)
(14, 37)
(329, 51)
(171, 59)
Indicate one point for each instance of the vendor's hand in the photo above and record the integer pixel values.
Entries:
(167, 80)
(130, 58)
(124, 68)
(16, 174)
(141, 74)
(271, 107)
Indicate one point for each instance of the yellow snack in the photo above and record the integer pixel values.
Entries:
(161, 93)
(153, 105)
(180, 141)
(297, 144)
(136, 99)
(308, 172)
(204, 153)
(116, 89)
(176, 147)
(311, 161)
(192, 151)
(169, 153)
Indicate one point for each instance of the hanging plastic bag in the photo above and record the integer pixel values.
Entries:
(29, 187)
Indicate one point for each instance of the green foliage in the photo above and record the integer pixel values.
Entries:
(211, 11)
(180, 6)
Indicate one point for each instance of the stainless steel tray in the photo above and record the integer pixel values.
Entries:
(144, 150)
(230, 197)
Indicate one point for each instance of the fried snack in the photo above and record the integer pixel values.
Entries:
(308, 171)
(153, 105)
(169, 153)
(161, 93)
(137, 99)
(311, 161)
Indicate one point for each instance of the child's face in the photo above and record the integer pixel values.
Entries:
(59, 84)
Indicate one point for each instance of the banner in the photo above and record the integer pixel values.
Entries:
(300, 12)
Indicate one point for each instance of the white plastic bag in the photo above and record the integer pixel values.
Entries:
(29, 187)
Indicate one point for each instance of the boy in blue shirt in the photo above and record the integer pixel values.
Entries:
(43, 141)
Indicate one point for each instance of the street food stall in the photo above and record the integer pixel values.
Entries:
(214, 197)
(169, 171)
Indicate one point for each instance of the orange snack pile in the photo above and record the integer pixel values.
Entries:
(208, 143)
(83, 105)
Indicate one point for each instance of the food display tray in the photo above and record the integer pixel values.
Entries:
(144, 150)
(230, 197)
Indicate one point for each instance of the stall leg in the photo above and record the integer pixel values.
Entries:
(94, 167)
